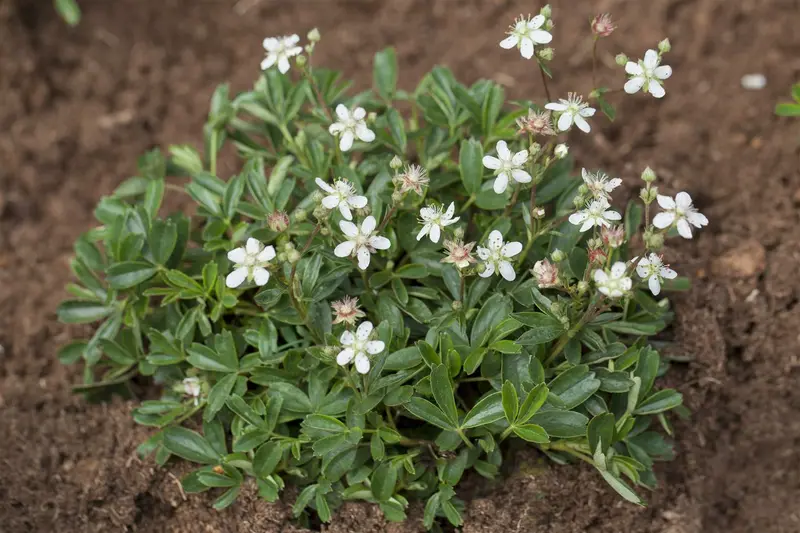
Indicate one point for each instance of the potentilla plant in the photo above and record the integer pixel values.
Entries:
(394, 286)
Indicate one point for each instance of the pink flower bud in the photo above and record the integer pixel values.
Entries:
(546, 274)
(603, 26)
(278, 221)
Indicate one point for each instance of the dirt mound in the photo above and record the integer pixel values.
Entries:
(80, 105)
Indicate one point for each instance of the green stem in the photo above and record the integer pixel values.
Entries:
(513, 202)
(468, 203)
(212, 156)
(465, 439)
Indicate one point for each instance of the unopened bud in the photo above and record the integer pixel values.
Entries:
(583, 286)
(648, 194)
(320, 212)
(314, 35)
(301, 60)
(546, 54)
(293, 256)
(395, 163)
(578, 201)
(288, 246)
(557, 255)
(549, 24)
(597, 256)
(372, 116)
(324, 231)
(664, 46)
(648, 175)
(300, 215)
(621, 60)
(534, 148)
(457, 305)
(546, 11)
(317, 197)
(278, 221)
(561, 151)
(480, 267)
(458, 233)
(281, 257)
(537, 213)
(653, 241)
(583, 189)
(397, 197)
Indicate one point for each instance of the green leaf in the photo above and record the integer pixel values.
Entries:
(443, 393)
(533, 402)
(153, 196)
(293, 398)
(600, 431)
(218, 394)
(539, 328)
(403, 359)
(575, 385)
(266, 458)
(117, 353)
(787, 110)
(383, 481)
(412, 271)
(384, 73)
(69, 11)
(470, 163)
(338, 466)
(81, 312)
(227, 498)
(376, 448)
(162, 240)
(429, 355)
(431, 508)
(510, 401)
(428, 412)
(189, 445)
(506, 347)
(233, 193)
(621, 487)
(317, 426)
(562, 424)
(129, 274)
(205, 358)
(661, 401)
(237, 404)
(488, 409)
(397, 129)
(532, 433)
(496, 308)
(303, 499)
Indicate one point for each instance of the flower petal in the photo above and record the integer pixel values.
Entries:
(424, 231)
(612, 215)
(436, 232)
(364, 133)
(520, 176)
(363, 331)
(684, 229)
(362, 363)
(511, 249)
(363, 256)
(359, 202)
(618, 269)
(237, 255)
(509, 42)
(664, 220)
(345, 356)
(556, 106)
(520, 158)
(541, 36)
(335, 128)
(634, 69)
(634, 85)
(345, 211)
(507, 271)
(324, 186)
(331, 201)
(663, 72)
(683, 200)
(347, 338)
(491, 162)
(668, 273)
(375, 347)
(267, 254)
(589, 224)
(368, 226)
(526, 47)
(488, 271)
(600, 276)
(656, 89)
(253, 246)
(451, 210)
(654, 284)
(650, 59)
(696, 219)
(346, 141)
(342, 112)
(260, 276)
(348, 228)
(283, 65)
(268, 61)
(582, 124)
(483, 253)
(344, 249)
(495, 240)
(564, 121)
(666, 202)
(380, 243)
(503, 151)
(578, 218)
(536, 22)
(236, 278)
(500, 183)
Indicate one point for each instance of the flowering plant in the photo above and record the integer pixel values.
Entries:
(377, 302)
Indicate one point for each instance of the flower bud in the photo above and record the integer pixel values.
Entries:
(579, 201)
(372, 116)
(621, 60)
(317, 196)
(218, 470)
(597, 256)
(664, 46)
(549, 24)
(458, 233)
(583, 286)
(537, 213)
(583, 190)
(281, 257)
(293, 256)
(648, 175)
(546, 54)
(613, 237)
(287, 246)
(300, 215)
(603, 26)
(395, 163)
(397, 197)
(648, 194)
(546, 11)
(546, 274)
(301, 61)
(557, 256)
(561, 151)
(457, 305)
(534, 149)
(278, 221)
(314, 35)
(480, 267)
(320, 212)
(324, 231)
(653, 241)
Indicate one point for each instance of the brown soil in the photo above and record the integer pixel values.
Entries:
(78, 106)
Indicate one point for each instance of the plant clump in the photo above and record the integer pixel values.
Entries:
(394, 285)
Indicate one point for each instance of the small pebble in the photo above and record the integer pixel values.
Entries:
(754, 82)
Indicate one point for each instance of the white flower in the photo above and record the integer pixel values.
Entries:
(614, 283)
(647, 75)
(506, 165)
(358, 346)
(350, 126)
(573, 111)
(192, 388)
(496, 256)
(342, 195)
(525, 33)
(679, 212)
(362, 241)
(599, 184)
(597, 213)
(434, 220)
(561, 151)
(250, 262)
(653, 269)
(279, 50)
